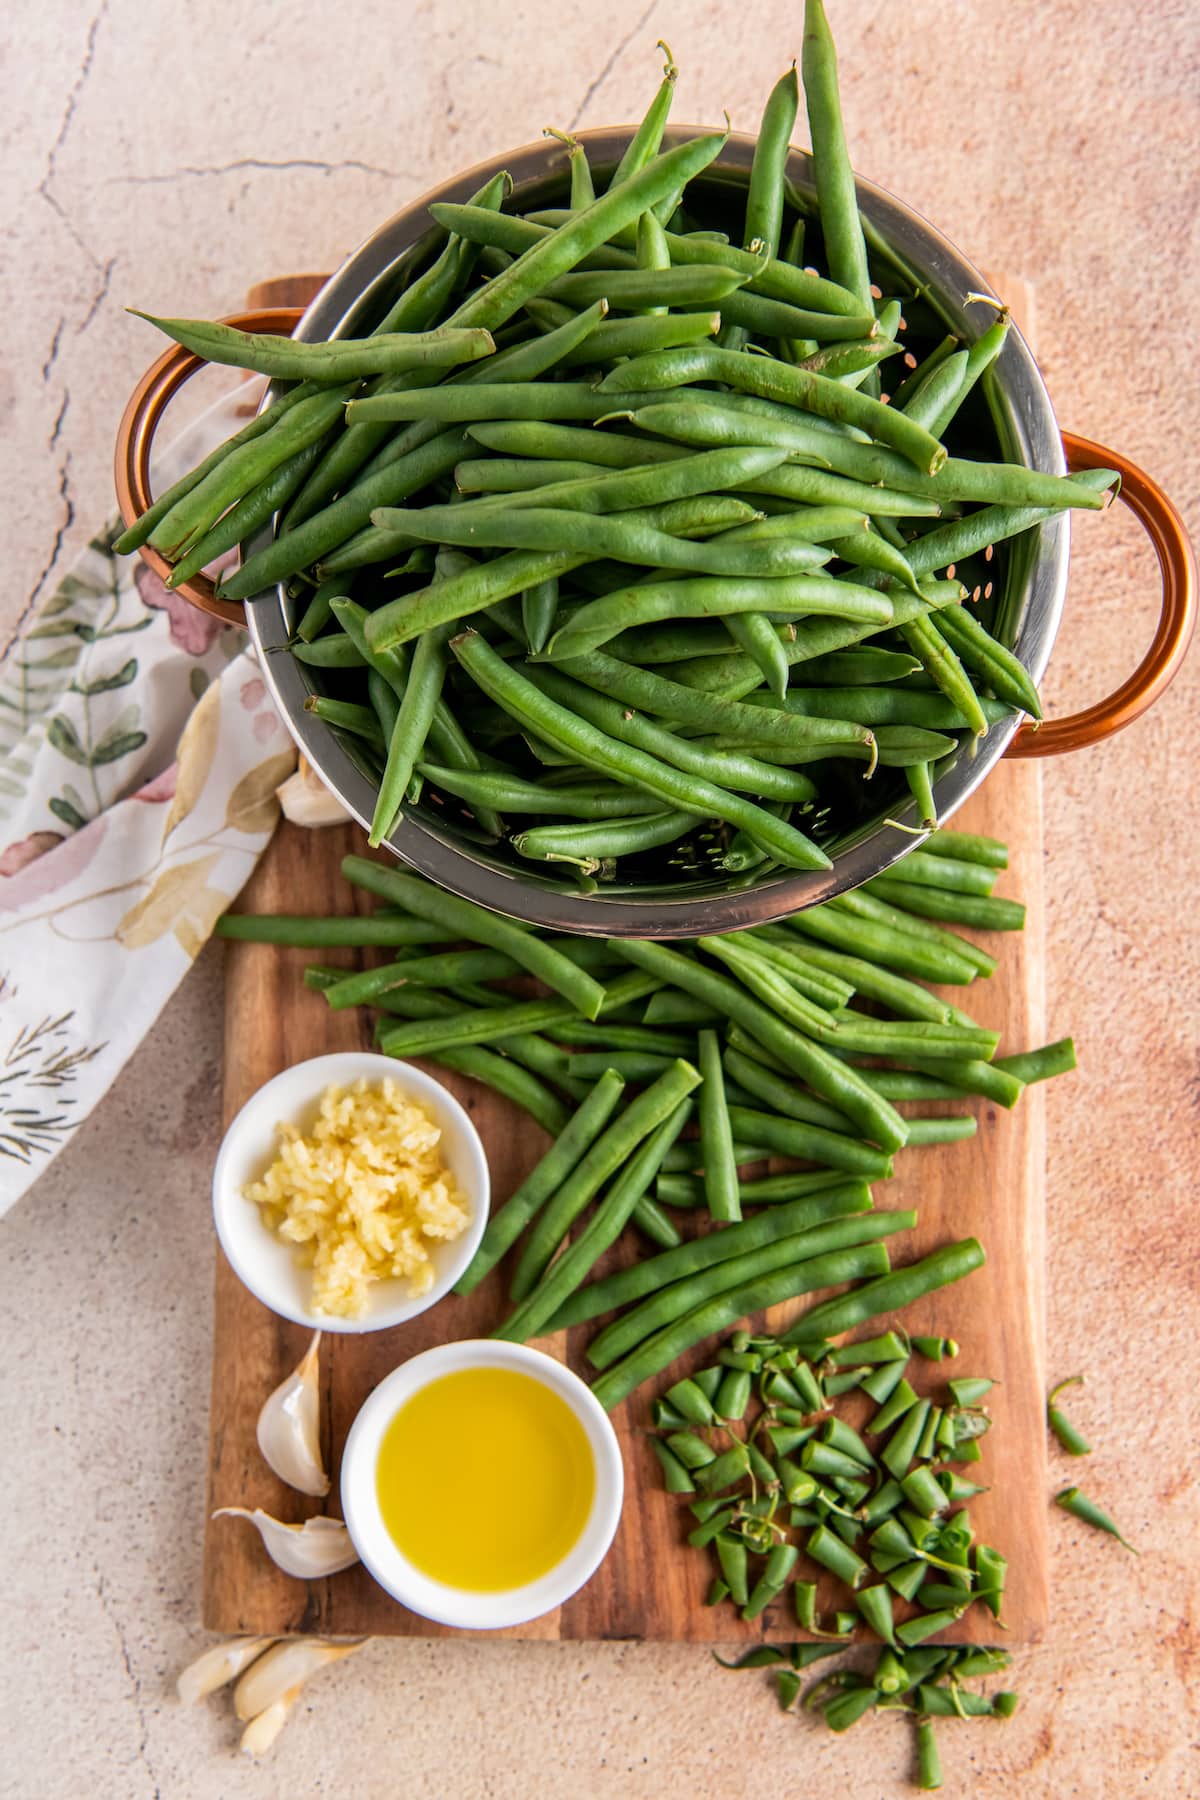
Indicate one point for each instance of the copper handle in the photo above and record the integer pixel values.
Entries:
(1158, 668)
(143, 415)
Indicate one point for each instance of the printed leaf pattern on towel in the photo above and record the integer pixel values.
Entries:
(38, 1071)
(197, 748)
(178, 894)
(252, 804)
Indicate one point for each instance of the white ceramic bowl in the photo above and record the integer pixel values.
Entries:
(267, 1265)
(419, 1592)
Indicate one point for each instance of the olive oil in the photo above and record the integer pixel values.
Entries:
(485, 1479)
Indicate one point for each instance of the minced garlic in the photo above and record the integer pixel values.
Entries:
(365, 1192)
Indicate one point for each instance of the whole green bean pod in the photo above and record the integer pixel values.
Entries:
(837, 198)
(590, 747)
(506, 1225)
(727, 1308)
(532, 1317)
(339, 360)
(464, 919)
(607, 1154)
(716, 1136)
(892, 1291)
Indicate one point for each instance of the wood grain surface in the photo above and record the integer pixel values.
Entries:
(652, 1584)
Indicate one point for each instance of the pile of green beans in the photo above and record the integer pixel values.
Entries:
(612, 1046)
(610, 510)
(785, 1492)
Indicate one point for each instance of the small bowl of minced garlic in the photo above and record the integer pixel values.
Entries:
(351, 1192)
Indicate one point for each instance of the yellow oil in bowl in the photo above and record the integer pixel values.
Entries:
(485, 1479)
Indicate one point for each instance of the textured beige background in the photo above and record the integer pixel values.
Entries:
(168, 154)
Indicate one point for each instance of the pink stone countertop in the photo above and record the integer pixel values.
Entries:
(169, 155)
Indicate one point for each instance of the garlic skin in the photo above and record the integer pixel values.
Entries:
(289, 1427)
(310, 1551)
(217, 1665)
(262, 1731)
(278, 1675)
(305, 800)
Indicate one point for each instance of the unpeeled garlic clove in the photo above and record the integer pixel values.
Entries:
(217, 1665)
(262, 1731)
(318, 1547)
(289, 1427)
(279, 1674)
(305, 800)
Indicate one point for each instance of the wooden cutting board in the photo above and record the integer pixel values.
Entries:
(652, 1584)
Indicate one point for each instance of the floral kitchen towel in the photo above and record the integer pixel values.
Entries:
(121, 841)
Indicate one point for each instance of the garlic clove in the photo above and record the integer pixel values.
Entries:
(217, 1665)
(262, 1731)
(289, 1427)
(318, 1547)
(281, 1671)
(305, 800)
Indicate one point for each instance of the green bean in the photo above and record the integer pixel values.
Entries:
(715, 1314)
(764, 195)
(512, 475)
(539, 604)
(337, 652)
(893, 1291)
(938, 396)
(508, 793)
(866, 667)
(339, 360)
(734, 1270)
(184, 525)
(644, 145)
(867, 906)
(413, 720)
(607, 1154)
(842, 1086)
(732, 769)
(946, 872)
(638, 334)
(510, 1080)
(445, 970)
(837, 361)
(573, 1142)
(786, 384)
(866, 978)
(1003, 672)
(945, 670)
(645, 690)
(872, 939)
(135, 535)
(634, 1065)
(1040, 1065)
(473, 1026)
(809, 1211)
(810, 1143)
(954, 542)
(318, 933)
(531, 1318)
(358, 720)
(1078, 1504)
(693, 422)
(979, 357)
(966, 846)
(327, 529)
(464, 919)
(989, 914)
(627, 290)
(782, 1095)
(594, 749)
(561, 250)
(676, 1479)
(317, 613)
(824, 1548)
(244, 519)
(568, 531)
(837, 199)
(598, 621)
(716, 1136)
(591, 847)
